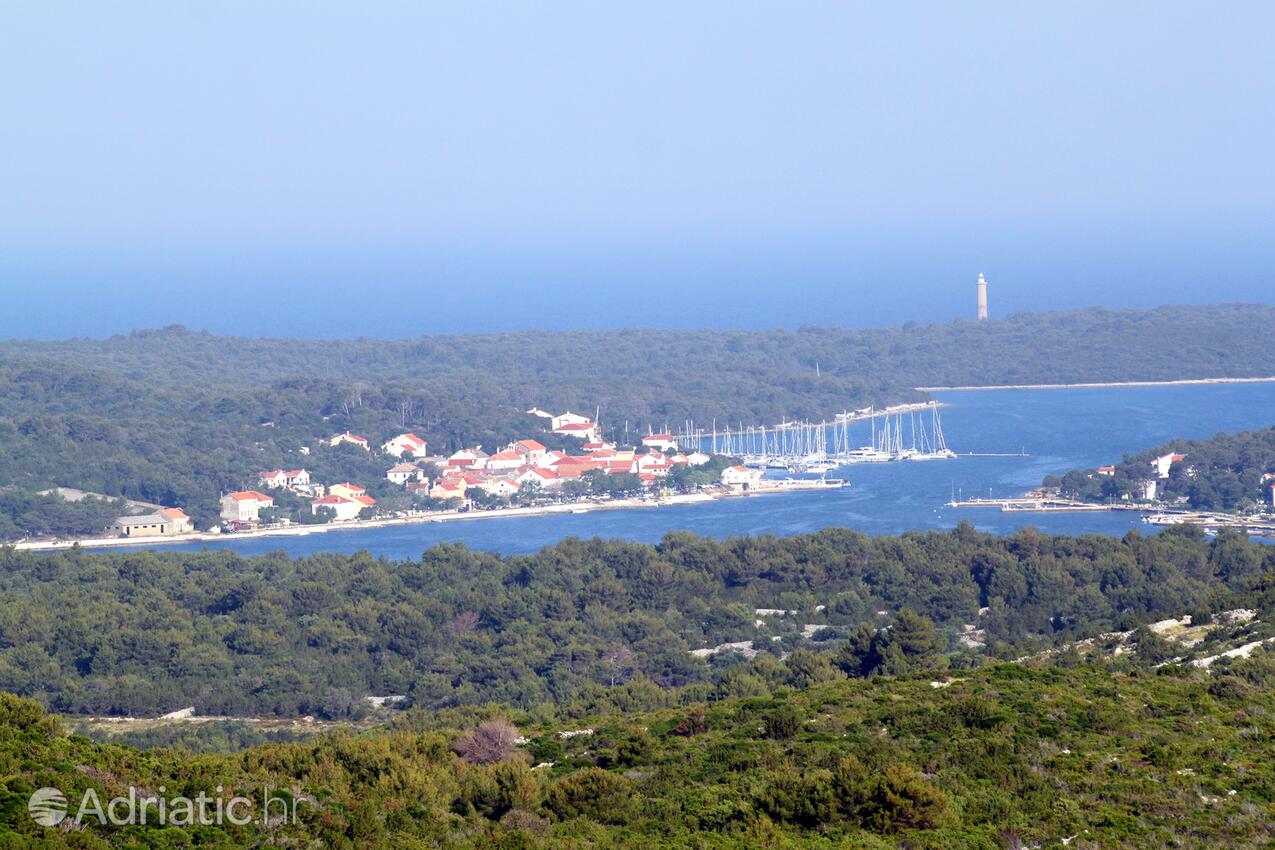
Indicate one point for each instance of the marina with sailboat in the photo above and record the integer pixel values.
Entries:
(906, 432)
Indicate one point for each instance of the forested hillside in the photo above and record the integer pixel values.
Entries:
(1226, 472)
(1002, 757)
(146, 633)
(177, 417)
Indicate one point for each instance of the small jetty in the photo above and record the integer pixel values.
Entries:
(1039, 504)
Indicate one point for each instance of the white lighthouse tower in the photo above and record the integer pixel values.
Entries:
(982, 298)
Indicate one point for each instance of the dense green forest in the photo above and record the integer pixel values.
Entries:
(148, 632)
(1225, 472)
(554, 702)
(1006, 756)
(177, 417)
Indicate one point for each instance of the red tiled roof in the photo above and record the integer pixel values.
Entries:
(530, 445)
(248, 495)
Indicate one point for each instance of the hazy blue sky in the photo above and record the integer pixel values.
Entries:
(390, 169)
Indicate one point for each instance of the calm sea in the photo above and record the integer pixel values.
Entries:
(1059, 430)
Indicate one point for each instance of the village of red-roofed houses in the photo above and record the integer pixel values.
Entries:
(400, 481)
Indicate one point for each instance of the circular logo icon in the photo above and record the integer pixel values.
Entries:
(47, 806)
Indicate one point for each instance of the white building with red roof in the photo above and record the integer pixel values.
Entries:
(408, 445)
(653, 463)
(532, 450)
(580, 430)
(660, 442)
(617, 466)
(342, 507)
(505, 461)
(544, 479)
(161, 523)
(502, 487)
(272, 479)
(448, 488)
(276, 478)
(346, 490)
(401, 473)
(347, 437)
(741, 477)
(1163, 463)
(244, 505)
(548, 459)
(568, 418)
(474, 458)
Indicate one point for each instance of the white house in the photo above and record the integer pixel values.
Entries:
(344, 508)
(502, 487)
(568, 418)
(1162, 464)
(272, 479)
(548, 459)
(1149, 489)
(741, 477)
(347, 437)
(346, 490)
(474, 458)
(406, 444)
(450, 488)
(660, 442)
(244, 505)
(401, 473)
(698, 458)
(545, 479)
(580, 430)
(532, 450)
(161, 523)
(505, 461)
(653, 463)
(277, 478)
(296, 477)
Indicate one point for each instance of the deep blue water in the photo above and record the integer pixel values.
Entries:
(1060, 430)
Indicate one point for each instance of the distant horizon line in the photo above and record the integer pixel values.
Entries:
(181, 327)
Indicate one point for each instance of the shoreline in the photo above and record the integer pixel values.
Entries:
(1098, 384)
(772, 487)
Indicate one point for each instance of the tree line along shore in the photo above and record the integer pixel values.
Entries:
(177, 418)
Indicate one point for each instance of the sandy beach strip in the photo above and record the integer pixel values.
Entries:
(787, 485)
